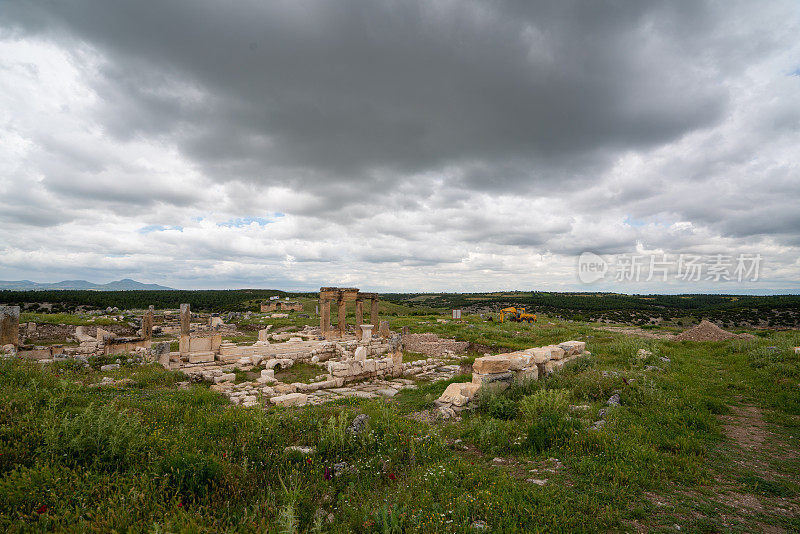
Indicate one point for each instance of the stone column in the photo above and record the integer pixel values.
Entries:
(373, 314)
(186, 318)
(9, 325)
(342, 316)
(147, 324)
(324, 316)
(359, 316)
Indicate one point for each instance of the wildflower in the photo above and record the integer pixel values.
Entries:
(180, 505)
(308, 460)
(42, 509)
(391, 476)
(327, 475)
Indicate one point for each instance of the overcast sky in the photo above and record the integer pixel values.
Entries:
(397, 145)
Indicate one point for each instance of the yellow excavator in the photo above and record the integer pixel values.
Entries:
(516, 315)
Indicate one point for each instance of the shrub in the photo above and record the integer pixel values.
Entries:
(98, 435)
(190, 475)
(551, 429)
(547, 400)
(497, 405)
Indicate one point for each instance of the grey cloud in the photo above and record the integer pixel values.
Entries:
(361, 85)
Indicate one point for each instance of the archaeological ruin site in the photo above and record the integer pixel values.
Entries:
(363, 359)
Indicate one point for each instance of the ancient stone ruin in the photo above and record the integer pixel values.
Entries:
(498, 371)
(342, 296)
(9, 326)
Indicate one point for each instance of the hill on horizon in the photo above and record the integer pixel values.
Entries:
(125, 284)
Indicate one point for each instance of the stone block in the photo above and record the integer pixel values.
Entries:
(228, 377)
(361, 354)
(200, 344)
(282, 389)
(263, 335)
(556, 352)
(290, 399)
(483, 379)
(369, 366)
(201, 357)
(518, 360)
(539, 354)
(491, 364)
(573, 348)
(269, 374)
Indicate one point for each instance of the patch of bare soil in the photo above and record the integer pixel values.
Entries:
(746, 427)
(639, 332)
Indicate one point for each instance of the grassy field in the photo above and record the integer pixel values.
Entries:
(706, 438)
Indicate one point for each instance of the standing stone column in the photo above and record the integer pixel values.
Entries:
(324, 316)
(359, 317)
(342, 316)
(373, 314)
(9, 325)
(147, 324)
(186, 318)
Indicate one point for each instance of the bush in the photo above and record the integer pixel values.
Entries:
(190, 475)
(100, 435)
(551, 429)
(497, 405)
(543, 401)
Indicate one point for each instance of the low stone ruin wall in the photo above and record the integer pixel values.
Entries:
(499, 371)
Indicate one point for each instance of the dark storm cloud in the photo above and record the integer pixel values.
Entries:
(313, 92)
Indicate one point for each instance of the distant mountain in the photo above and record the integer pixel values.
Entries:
(120, 285)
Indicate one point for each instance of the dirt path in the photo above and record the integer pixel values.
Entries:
(639, 332)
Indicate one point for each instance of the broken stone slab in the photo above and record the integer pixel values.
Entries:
(228, 377)
(290, 399)
(459, 394)
(485, 379)
(486, 365)
(573, 348)
(388, 392)
(361, 354)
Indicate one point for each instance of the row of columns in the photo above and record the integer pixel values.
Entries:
(342, 296)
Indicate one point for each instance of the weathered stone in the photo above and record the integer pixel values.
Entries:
(109, 367)
(366, 332)
(147, 323)
(9, 325)
(383, 330)
(359, 423)
(361, 354)
(491, 364)
(285, 388)
(186, 319)
(290, 399)
(556, 352)
(539, 354)
(228, 377)
(573, 348)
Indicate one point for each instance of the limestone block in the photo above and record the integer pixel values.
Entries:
(572, 348)
(529, 373)
(491, 364)
(228, 377)
(200, 344)
(82, 336)
(518, 360)
(183, 344)
(201, 357)
(290, 399)
(482, 379)
(556, 352)
(539, 354)
(268, 374)
(369, 366)
(284, 388)
(361, 354)
(356, 367)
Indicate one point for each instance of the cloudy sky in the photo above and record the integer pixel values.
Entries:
(399, 145)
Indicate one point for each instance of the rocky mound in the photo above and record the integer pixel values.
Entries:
(708, 331)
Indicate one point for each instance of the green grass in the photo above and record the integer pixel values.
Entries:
(150, 457)
(67, 318)
(299, 372)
